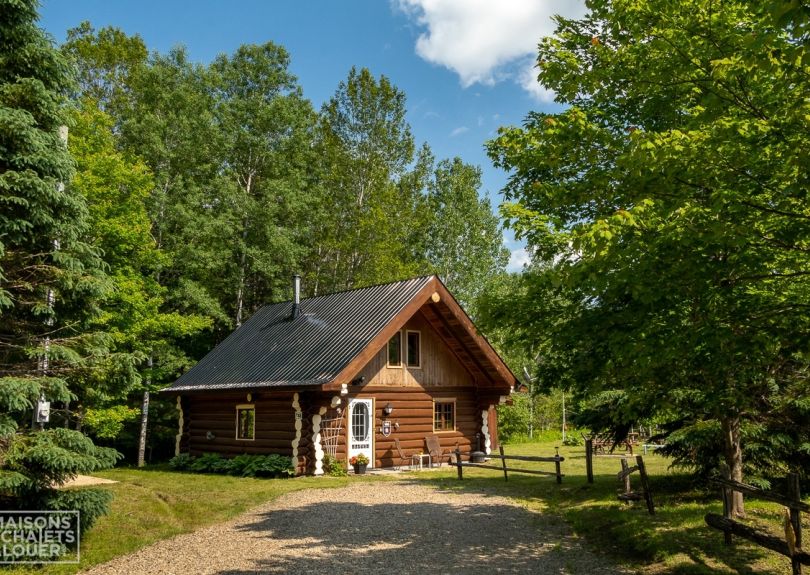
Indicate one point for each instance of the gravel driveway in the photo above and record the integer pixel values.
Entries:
(378, 527)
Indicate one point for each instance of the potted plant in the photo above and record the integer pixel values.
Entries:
(359, 462)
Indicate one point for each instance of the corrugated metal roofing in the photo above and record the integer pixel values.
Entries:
(270, 349)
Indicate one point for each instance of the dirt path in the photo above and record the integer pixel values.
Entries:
(380, 527)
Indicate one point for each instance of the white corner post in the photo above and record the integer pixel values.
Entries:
(299, 420)
(316, 440)
(485, 431)
(179, 427)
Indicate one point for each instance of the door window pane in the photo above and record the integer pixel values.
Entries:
(360, 422)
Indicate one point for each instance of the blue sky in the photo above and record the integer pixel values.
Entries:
(465, 65)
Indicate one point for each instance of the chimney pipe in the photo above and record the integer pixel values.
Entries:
(296, 308)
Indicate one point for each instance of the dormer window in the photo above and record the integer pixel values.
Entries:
(395, 350)
(413, 353)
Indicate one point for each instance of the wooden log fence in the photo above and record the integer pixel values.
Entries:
(791, 546)
(629, 494)
(557, 460)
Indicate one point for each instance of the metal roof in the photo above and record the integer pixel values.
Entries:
(270, 349)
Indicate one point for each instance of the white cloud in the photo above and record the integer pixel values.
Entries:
(518, 259)
(458, 131)
(528, 81)
(480, 39)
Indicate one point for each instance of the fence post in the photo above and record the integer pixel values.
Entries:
(589, 459)
(458, 462)
(557, 464)
(794, 492)
(626, 478)
(645, 484)
(503, 462)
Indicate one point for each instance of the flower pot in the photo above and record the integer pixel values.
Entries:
(360, 468)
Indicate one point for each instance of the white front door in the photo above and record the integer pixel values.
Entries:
(361, 422)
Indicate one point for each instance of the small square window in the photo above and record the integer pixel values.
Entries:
(444, 415)
(395, 350)
(245, 422)
(414, 349)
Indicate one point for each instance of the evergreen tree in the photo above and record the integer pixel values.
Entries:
(52, 280)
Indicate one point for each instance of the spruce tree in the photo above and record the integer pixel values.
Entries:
(50, 281)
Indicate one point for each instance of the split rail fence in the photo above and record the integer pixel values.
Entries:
(791, 545)
(557, 460)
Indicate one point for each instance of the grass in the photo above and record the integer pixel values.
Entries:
(155, 503)
(675, 540)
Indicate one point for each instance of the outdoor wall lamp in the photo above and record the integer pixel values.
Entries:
(388, 409)
(359, 380)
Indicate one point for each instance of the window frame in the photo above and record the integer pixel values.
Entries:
(444, 401)
(245, 407)
(408, 332)
(388, 363)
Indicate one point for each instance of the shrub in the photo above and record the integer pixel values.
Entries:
(573, 439)
(209, 463)
(245, 465)
(181, 462)
(91, 504)
(272, 465)
(240, 464)
(34, 464)
(333, 467)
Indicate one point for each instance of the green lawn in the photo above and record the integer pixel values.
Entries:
(155, 503)
(674, 541)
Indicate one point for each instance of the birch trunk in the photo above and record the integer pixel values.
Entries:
(145, 416)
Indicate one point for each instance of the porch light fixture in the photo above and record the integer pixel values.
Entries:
(388, 409)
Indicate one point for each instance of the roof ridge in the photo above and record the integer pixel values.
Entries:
(355, 289)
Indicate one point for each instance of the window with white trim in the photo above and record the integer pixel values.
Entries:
(444, 415)
(395, 350)
(413, 348)
(245, 422)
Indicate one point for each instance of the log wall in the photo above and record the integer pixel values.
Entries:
(216, 413)
(412, 420)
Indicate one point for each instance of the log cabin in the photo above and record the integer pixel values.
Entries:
(343, 374)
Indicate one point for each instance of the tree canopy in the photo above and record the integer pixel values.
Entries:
(666, 208)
